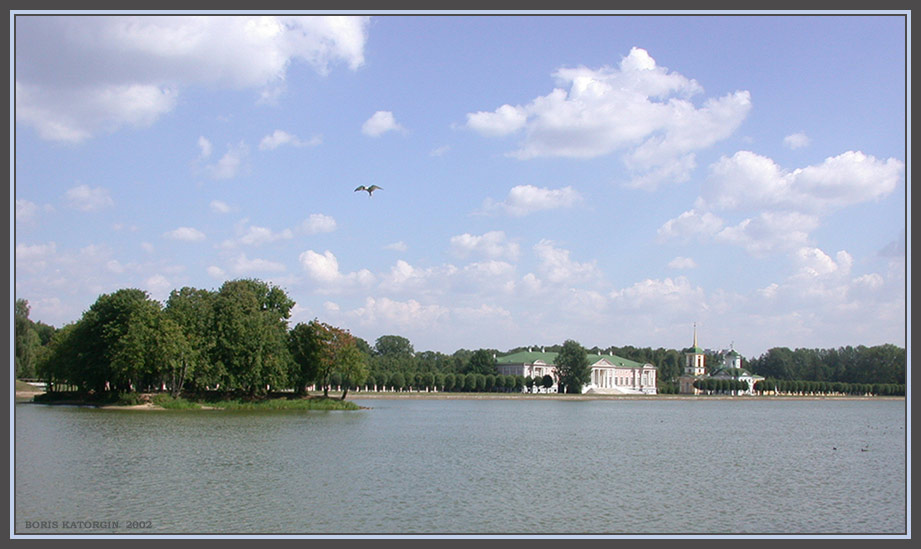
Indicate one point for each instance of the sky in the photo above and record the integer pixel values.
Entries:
(612, 179)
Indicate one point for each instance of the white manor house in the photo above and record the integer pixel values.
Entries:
(611, 374)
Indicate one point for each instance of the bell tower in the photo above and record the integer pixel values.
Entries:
(694, 359)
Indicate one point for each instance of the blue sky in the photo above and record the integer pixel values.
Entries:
(610, 179)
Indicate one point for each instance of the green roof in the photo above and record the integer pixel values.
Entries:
(530, 357)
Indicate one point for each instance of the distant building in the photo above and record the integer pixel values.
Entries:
(731, 368)
(611, 374)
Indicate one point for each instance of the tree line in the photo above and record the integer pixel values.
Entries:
(237, 339)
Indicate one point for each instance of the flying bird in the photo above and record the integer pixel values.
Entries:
(369, 190)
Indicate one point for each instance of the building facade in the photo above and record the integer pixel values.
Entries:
(610, 374)
(695, 369)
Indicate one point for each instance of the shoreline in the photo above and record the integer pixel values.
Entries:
(26, 397)
(554, 396)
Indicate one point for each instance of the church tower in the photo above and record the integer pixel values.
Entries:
(694, 360)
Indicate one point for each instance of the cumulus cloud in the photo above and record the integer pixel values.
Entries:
(243, 265)
(523, 200)
(321, 267)
(280, 138)
(204, 147)
(770, 231)
(777, 208)
(401, 314)
(399, 246)
(27, 211)
(318, 223)
(556, 266)
(492, 244)
(231, 164)
(221, 207)
(380, 123)
(188, 234)
(324, 269)
(682, 263)
(80, 76)
(796, 141)
(690, 224)
(638, 108)
(676, 294)
(215, 272)
(87, 199)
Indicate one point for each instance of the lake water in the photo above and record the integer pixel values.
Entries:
(526, 467)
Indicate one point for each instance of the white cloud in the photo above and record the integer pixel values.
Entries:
(493, 244)
(25, 210)
(318, 223)
(749, 180)
(221, 207)
(770, 231)
(321, 267)
(778, 209)
(527, 199)
(690, 224)
(400, 314)
(243, 265)
(504, 120)
(258, 236)
(215, 272)
(638, 108)
(399, 246)
(796, 141)
(87, 199)
(324, 269)
(231, 164)
(380, 122)
(650, 296)
(175, 52)
(204, 146)
(188, 234)
(557, 267)
(158, 286)
(279, 138)
(682, 263)
(440, 151)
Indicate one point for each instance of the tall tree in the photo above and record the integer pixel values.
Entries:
(482, 362)
(572, 368)
(192, 312)
(305, 345)
(250, 327)
(27, 340)
(352, 365)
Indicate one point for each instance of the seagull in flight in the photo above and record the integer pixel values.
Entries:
(369, 190)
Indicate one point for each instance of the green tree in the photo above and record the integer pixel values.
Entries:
(470, 382)
(192, 311)
(351, 365)
(397, 382)
(27, 341)
(394, 346)
(250, 326)
(572, 367)
(482, 362)
(547, 381)
(305, 345)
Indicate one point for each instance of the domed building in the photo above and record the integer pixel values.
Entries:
(696, 369)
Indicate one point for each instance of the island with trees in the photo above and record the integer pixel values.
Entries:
(233, 348)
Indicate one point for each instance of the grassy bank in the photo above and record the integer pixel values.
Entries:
(163, 401)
